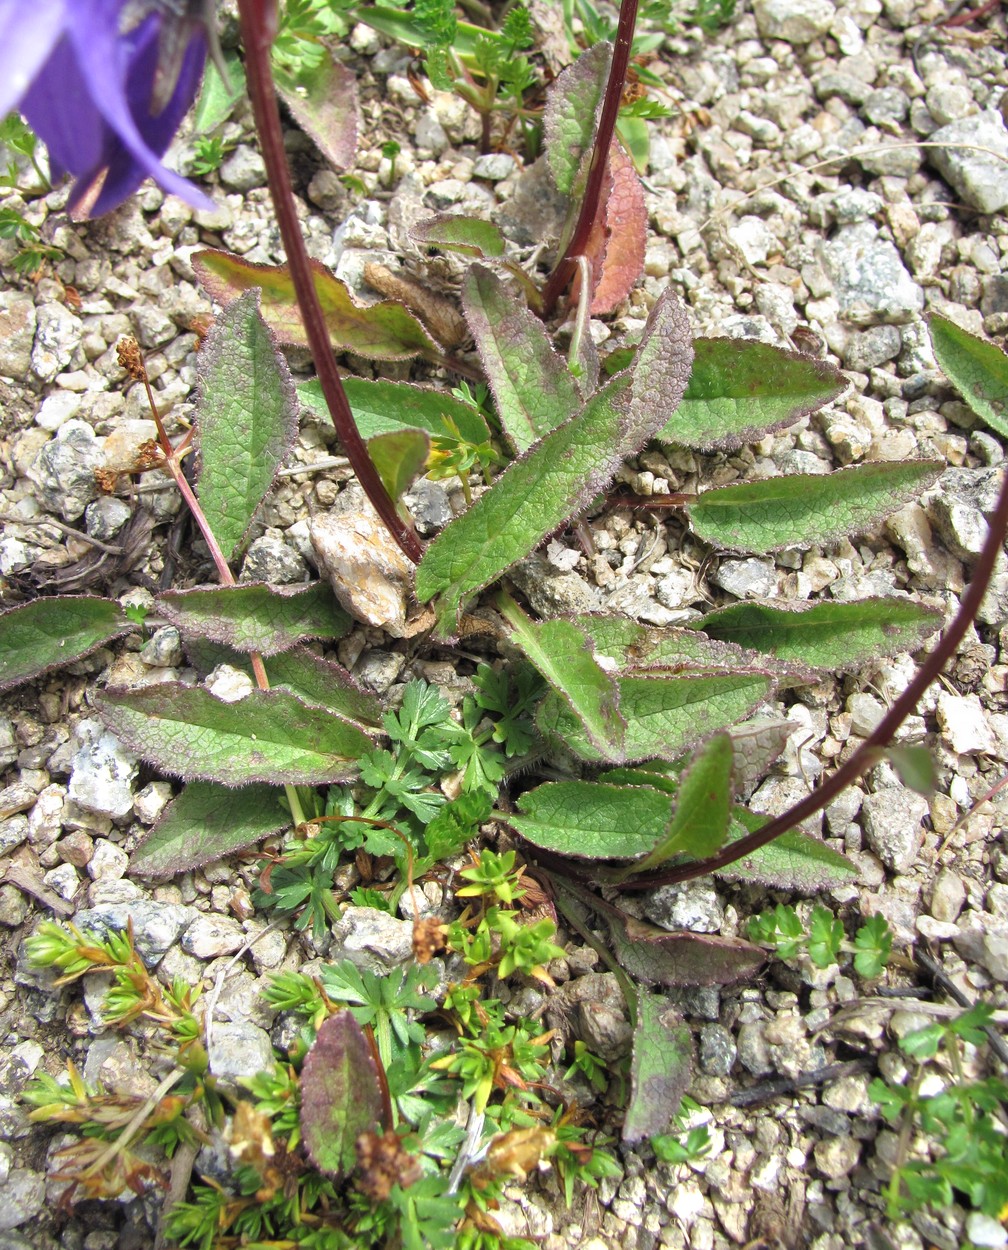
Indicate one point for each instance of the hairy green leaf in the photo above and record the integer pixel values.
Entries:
(563, 654)
(699, 823)
(591, 820)
(324, 105)
(977, 368)
(660, 1068)
(805, 508)
(664, 715)
(740, 390)
(638, 648)
(828, 635)
(382, 407)
(452, 232)
(382, 331)
(653, 956)
(217, 98)
(255, 617)
(399, 457)
(572, 112)
(246, 419)
(269, 736)
(207, 822)
(562, 473)
(794, 861)
(303, 673)
(534, 389)
(340, 1095)
(48, 633)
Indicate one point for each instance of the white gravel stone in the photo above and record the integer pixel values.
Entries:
(102, 772)
(979, 177)
(794, 21)
(238, 1049)
(963, 723)
(891, 819)
(210, 936)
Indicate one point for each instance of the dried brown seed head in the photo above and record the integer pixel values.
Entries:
(128, 355)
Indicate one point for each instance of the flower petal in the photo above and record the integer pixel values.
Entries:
(28, 34)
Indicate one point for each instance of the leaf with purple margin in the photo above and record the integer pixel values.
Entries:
(794, 861)
(207, 822)
(382, 407)
(269, 736)
(340, 1095)
(246, 420)
(49, 633)
(382, 331)
(977, 368)
(832, 635)
(256, 617)
(660, 1068)
(564, 656)
(562, 473)
(572, 113)
(664, 715)
(591, 820)
(800, 509)
(741, 390)
(454, 232)
(324, 104)
(532, 386)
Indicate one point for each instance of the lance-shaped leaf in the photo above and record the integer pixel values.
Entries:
(400, 457)
(664, 715)
(699, 823)
(591, 820)
(207, 822)
(217, 99)
(564, 656)
(618, 240)
(828, 635)
(562, 473)
(806, 508)
(794, 861)
(340, 1095)
(309, 676)
(48, 633)
(382, 331)
(246, 418)
(383, 407)
(652, 956)
(255, 617)
(979, 370)
(740, 390)
(534, 390)
(572, 112)
(452, 232)
(268, 736)
(324, 104)
(660, 1068)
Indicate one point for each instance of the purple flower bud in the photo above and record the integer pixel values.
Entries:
(105, 85)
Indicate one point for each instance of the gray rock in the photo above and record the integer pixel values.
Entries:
(753, 1050)
(273, 561)
(429, 135)
(754, 239)
(102, 772)
(869, 279)
(17, 333)
(211, 936)
(963, 723)
(855, 204)
(373, 939)
(717, 1050)
(985, 1231)
(428, 504)
(604, 1028)
(887, 106)
(8, 743)
(693, 906)
(65, 470)
(57, 336)
(163, 649)
(794, 21)
(156, 925)
(105, 517)
(378, 669)
(552, 593)
(948, 894)
(238, 1048)
(243, 169)
(836, 1156)
(493, 166)
(981, 179)
(891, 819)
(995, 294)
(949, 102)
(22, 1197)
(872, 347)
(746, 579)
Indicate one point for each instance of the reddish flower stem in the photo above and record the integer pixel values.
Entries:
(258, 27)
(867, 754)
(563, 273)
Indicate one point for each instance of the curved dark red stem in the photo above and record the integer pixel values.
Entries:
(867, 754)
(559, 279)
(258, 27)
